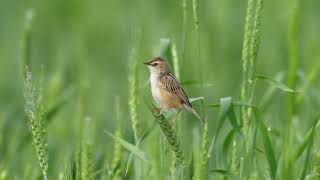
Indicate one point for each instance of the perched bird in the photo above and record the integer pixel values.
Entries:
(166, 89)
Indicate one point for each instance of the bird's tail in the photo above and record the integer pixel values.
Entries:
(195, 113)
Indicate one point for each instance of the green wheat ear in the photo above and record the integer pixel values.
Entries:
(35, 113)
(316, 166)
(78, 163)
(117, 155)
(25, 50)
(246, 58)
(87, 154)
(204, 153)
(171, 135)
(117, 152)
(33, 100)
(133, 86)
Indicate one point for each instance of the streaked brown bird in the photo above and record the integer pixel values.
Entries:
(167, 90)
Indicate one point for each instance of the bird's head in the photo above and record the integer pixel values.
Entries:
(158, 65)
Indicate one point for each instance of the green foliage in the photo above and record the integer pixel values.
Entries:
(256, 82)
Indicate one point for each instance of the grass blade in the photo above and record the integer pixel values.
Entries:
(308, 138)
(227, 142)
(165, 48)
(277, 84)
(131, 156)
(132, 148)
(268, 149)
(196, 99)
(270, 92)
(226, 111)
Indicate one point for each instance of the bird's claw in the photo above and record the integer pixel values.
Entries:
(157, 112)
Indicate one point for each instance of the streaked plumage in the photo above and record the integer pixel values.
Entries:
(166, 89)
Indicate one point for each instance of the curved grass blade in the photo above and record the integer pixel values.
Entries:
(131, 156)
(226, 111)
(227, 142)
(165, 48)
(221, 171)
(196, 99)
(268, 149)
(311, 78)
(136, 151)
(269, 152)
(308, 138)
(226, 174)
(277, 84)
(307, 145)
(270, 92)
(306, 161)
(195, 83)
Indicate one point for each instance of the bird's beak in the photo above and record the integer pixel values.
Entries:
(147, 63)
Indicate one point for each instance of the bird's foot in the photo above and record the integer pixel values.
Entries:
(157, 111)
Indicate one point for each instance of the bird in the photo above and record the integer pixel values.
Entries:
(167, 90)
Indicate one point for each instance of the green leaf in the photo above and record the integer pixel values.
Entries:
(221, 171)
(306, 161)
(132, 148)
(145, 134)
(165, 48)
(268, 149)
(270, 92)
(277, 84)
(226, 110)
(233, 119)
(269, 152)
(307, 145)
(308, 138)
(195, 83)
(310, 80)
(227, 142)
(226, 174)
(196, 99)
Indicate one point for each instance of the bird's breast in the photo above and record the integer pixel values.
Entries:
(155, 89)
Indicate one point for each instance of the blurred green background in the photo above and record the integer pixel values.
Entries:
(83, 48)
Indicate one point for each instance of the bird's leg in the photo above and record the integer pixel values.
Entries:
(173, 121)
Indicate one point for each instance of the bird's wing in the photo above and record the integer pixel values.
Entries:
(172, 85)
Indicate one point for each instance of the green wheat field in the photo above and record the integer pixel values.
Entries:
(75, 99)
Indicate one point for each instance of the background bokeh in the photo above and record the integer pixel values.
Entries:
(83, 47)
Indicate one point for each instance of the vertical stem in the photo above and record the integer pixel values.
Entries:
(133, 96)
(245, 74)
(245, 59)
(204, 154)
(254, 49)
(250, 51)
(26, 42)
(293, 61)
(195, 8)
(184, 27)
(292, 78)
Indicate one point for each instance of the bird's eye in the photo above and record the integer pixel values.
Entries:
(155, 64)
